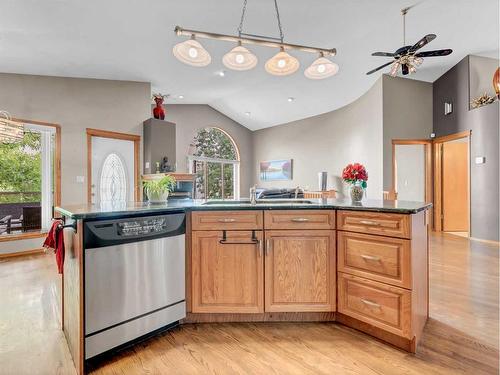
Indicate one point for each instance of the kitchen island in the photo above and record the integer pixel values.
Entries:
(363, 265)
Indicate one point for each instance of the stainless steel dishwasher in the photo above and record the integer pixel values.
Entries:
(134, 278)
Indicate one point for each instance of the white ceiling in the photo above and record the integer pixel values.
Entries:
(133, 40)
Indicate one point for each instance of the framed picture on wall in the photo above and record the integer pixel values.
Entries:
(276, 170)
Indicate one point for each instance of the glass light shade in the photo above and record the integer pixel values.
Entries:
(282, 64)
(191, 52)
(10, 131)
(394, 68)
(321, 68)
(496, 82)
(240, 58)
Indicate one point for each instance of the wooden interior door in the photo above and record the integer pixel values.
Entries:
(455, 185)
(300, 271)
(227, 278)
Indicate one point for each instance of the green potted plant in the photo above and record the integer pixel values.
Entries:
(157, 190)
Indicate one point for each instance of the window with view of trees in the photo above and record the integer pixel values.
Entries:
(27, 181)
(215, 161)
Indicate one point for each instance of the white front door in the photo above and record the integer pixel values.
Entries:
(112, 179)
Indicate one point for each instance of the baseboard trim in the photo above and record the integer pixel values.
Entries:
(22, 253)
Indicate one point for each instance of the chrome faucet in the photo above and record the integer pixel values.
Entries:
(297, 189)
(253, 194)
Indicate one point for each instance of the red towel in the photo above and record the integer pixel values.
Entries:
(55, 241)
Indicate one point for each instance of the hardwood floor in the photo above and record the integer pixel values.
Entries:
(461, 336)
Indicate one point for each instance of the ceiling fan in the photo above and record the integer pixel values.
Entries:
(407, 57)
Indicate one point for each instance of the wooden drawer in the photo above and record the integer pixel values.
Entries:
(383, 306)
(299, 219)
(226, 220)
(386, 224)
(383, 259)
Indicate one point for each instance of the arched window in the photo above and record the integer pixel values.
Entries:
(215, 159)
(113, 186)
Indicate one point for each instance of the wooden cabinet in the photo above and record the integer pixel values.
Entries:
(379, 258)
(299, 219)
(300, 271)
(227, 274)
(384, 224)
(383, 277)
(227, 220)
(378, 304)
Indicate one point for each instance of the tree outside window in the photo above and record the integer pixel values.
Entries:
(215, 162)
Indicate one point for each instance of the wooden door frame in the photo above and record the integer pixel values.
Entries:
(113, 135)
(438, 176)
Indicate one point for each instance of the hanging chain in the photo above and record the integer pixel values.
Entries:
(240, 28)
(279, 21)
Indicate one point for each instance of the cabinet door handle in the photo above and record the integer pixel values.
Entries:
(269, 244)
(226, 220)
(369, 222)
(370, 303)
(300, 219)
(370, 257)
(261, 245)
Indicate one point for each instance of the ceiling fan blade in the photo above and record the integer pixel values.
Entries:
(422, 42)
(385, 54)
(436, 53)
(380, 67)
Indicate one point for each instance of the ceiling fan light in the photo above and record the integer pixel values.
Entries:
(321, 68)
(394, 68)
(240, 58)
(282, 64)
(191, 52)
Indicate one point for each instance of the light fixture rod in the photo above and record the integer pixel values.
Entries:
(263, 37)
(253, 40)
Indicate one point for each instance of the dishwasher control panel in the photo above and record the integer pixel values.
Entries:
(101, 233)
(142, 226)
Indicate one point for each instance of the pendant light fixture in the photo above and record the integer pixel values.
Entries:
(321, 68)
(240, 58)
(191, 52)
(282, 64)
(10, 131)
(496, 82)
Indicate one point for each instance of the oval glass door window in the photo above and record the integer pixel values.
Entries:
(113, 184)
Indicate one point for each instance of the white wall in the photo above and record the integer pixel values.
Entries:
(410, 170)
(328, 142)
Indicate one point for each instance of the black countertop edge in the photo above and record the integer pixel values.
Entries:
(87, 213)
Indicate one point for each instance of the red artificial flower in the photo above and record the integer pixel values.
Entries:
(353, 173)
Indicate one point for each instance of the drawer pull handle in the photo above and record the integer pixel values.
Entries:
(370, 257)
(369, 222)
(269, 244)
(300, 219)
(226, 220)
(370, 303)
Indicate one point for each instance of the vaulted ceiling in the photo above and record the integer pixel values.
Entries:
(133, 40)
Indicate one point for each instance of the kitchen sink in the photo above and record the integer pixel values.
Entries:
(259, 201)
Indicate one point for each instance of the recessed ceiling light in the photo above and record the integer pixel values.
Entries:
(181, 96)
(221, 73)
(291, 99)
(247, 113)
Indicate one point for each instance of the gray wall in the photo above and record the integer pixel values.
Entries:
(407, 114)
(484, 122)
(481, 71)
(189, 118)
(327, 142)
(75, 104)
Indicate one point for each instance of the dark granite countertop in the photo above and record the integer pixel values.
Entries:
(87, 211)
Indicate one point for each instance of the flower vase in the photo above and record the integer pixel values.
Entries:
(357, 192)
